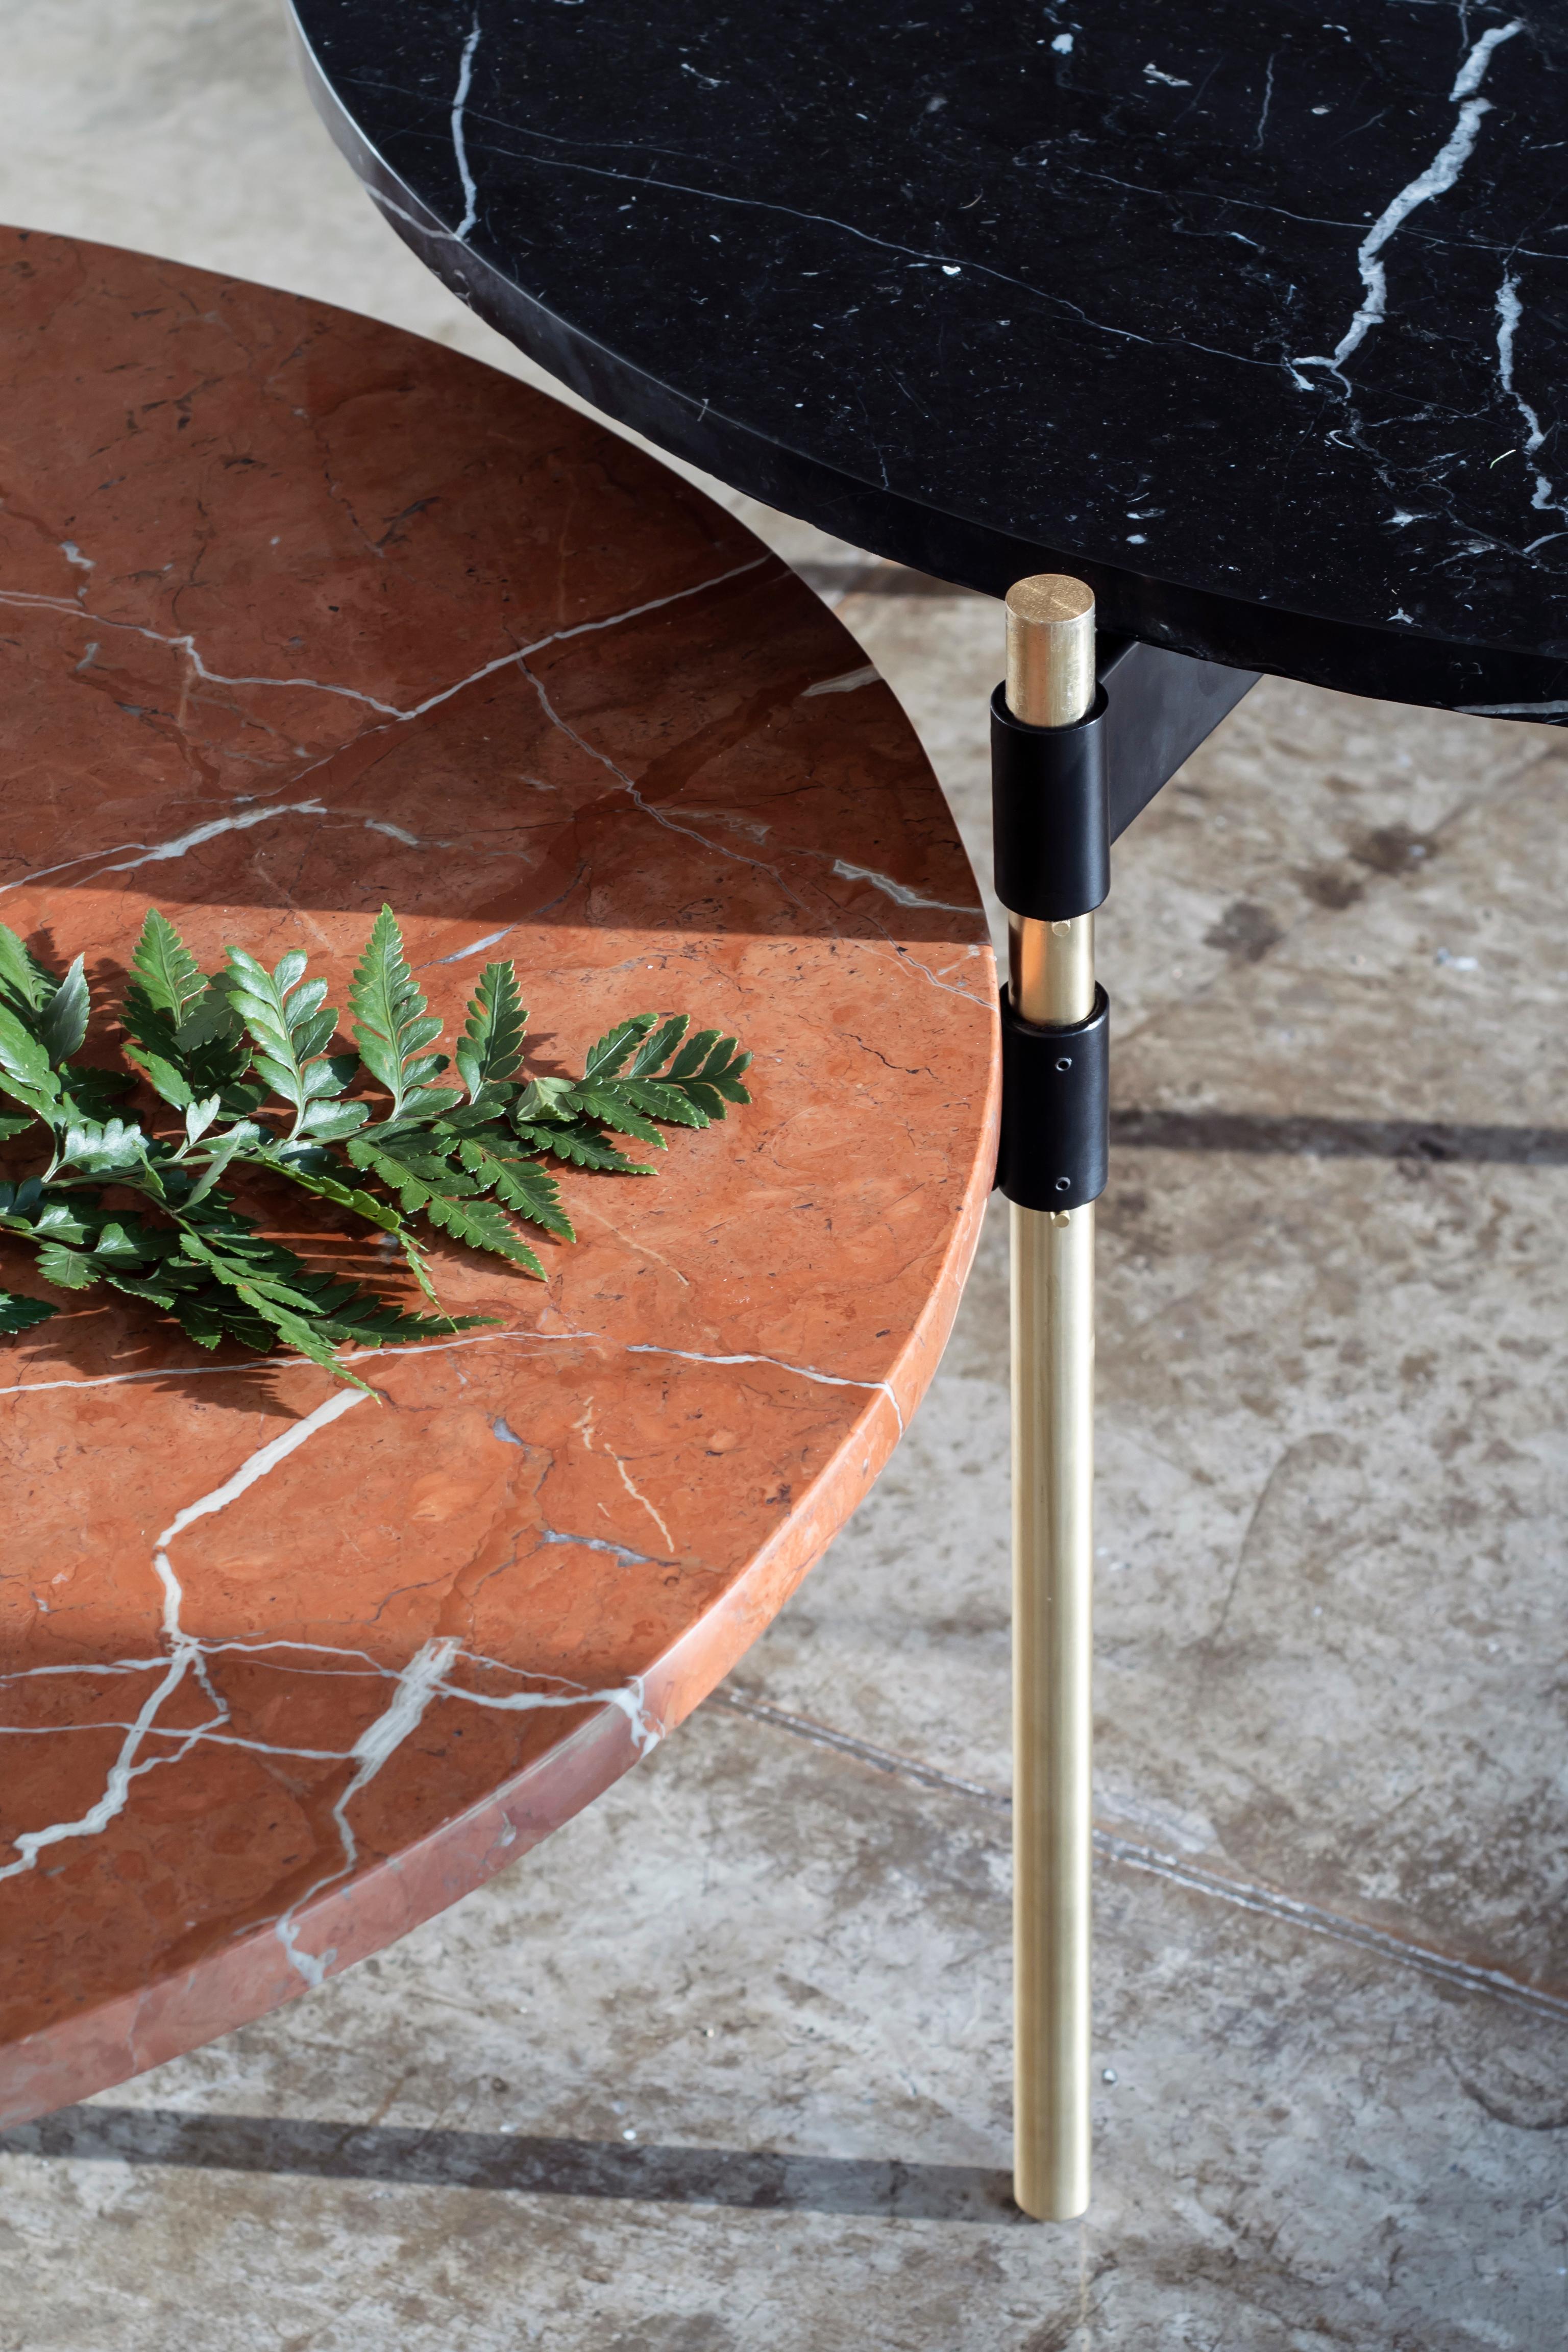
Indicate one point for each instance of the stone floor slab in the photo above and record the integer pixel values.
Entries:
(758, 1947)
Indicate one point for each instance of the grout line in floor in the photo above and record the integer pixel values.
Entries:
(1130, 1854)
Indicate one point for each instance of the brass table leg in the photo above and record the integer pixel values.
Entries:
(1051, 683)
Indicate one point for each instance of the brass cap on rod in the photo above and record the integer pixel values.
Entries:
(1050, 649)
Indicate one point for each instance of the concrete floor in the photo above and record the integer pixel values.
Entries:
(724, 2068)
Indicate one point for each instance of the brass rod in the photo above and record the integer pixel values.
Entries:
(1050, 683)
(1053, 1469)
(1050, 969)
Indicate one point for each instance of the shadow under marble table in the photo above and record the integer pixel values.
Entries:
(1242, 324)
(301, 615)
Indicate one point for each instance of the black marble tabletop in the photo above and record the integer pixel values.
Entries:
(1254, 318)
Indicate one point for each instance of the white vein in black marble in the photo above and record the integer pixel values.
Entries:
(1253, 318)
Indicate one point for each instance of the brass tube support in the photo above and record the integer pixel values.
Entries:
(1051, 683)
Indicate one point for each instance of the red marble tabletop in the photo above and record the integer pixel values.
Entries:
(297, 614)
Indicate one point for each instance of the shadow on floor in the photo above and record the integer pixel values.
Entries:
(756, 2180)
(1339, 1139)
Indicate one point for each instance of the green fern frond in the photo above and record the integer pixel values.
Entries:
(226, 1051)
(520, 1184)
(25, 984)
(20, 1313)
(391, 1028)
(481, 1224)
(581, 1146)
(491, 1049)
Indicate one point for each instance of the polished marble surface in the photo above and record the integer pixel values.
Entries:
(1307, 2145)
(1253, 318)
(301, 613)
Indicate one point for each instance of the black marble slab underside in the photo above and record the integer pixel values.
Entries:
(1254, 317)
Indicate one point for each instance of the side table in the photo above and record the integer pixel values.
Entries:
(1241, 324)
(301, 615)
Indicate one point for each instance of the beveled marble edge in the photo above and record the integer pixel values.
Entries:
(97, 2048)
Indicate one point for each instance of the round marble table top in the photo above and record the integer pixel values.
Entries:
(301, 613)
(1255, 318)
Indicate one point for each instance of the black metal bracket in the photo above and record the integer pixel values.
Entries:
(1051, 812)
(1056, 1097)
(1059, 797)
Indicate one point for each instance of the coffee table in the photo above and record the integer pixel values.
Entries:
(301, 615)
(1235, 327)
